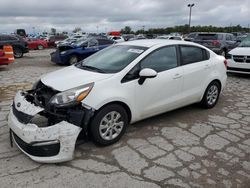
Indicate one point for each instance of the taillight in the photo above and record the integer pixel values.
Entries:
(225, 63)
(1, 54)
(216, 43)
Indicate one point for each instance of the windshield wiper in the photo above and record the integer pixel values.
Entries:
(92, 68)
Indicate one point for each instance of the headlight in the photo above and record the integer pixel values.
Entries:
(72, 96)
(63, 52)
(228, 56)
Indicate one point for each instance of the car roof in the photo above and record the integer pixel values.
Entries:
(152, 42)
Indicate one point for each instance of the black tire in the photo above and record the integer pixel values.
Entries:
(73, 59)
(99, 118)
(18, 53)
(211, 95)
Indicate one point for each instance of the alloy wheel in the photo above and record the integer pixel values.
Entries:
(111, 125)
(212, 94)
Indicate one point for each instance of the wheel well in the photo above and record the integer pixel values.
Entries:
(124, 105)
(218, 81)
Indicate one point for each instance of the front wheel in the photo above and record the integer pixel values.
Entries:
(40, 47)
(18, 53)
(109, 124)
(73, 59)
(211, 95)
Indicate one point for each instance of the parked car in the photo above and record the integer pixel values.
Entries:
(191, 36)
(72, 53)
(70, 40)
(52, 39)
(239, 58)
(20, 46)
(138, 37)
(101, 95)
(128, 36)
(117, 38)
(169, 37)
(220, 43)
(36, 44)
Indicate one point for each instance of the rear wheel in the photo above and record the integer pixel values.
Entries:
(109, 124)
(211, 95)
(73, 59)
(18, 53)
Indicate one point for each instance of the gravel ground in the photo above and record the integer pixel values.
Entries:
(189, 147)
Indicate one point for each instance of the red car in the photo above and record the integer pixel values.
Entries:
(34, 44)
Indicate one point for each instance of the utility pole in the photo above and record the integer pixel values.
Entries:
(190, 13)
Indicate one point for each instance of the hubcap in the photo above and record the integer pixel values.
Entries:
(212, 94)
(40, 47)
(111, 125)
(73, 60)
(17, 53)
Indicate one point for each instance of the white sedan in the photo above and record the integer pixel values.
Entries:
(101, 95)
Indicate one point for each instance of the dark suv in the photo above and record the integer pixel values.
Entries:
(19, 45)
(220, 43)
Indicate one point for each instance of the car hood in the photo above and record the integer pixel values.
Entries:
(66, 46)
(240, 51)
(71, 77)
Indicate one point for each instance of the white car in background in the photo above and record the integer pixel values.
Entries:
(239, 58)
(102, 94)
(170, 37)
(117, 38)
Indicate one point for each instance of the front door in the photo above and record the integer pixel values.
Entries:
(162, 93)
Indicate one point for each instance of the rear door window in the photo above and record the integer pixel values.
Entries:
(207, 37)
(192, 54)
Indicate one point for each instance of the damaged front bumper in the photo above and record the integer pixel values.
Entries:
(47, 143)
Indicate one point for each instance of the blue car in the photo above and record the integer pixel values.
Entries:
(75, 52)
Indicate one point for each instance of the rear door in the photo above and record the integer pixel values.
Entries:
(196, 68)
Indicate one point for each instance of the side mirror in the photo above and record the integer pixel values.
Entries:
(146, 73)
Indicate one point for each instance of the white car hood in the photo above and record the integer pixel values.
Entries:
(244, 51)
(71, 77)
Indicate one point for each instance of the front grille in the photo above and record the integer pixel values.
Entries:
(241, 59)
(38, 151)
(238, 69)
(22, 117)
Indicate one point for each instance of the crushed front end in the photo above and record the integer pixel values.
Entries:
(45, 132)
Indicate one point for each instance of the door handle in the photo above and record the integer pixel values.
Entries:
(176, 76)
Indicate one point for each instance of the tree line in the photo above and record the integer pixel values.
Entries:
(184, 29)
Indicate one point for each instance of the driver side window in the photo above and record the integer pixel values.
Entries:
(161, 60)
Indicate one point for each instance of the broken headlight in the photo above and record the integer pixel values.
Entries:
(72, 96)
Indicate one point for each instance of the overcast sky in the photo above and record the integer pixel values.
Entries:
(107, 15)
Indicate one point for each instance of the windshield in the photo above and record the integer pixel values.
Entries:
(112, 59)
(245, 42)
